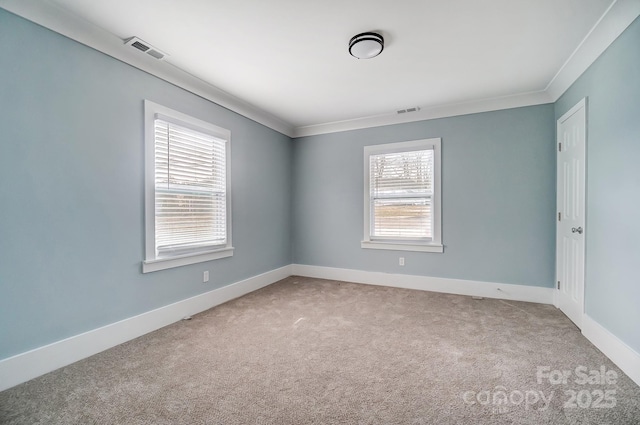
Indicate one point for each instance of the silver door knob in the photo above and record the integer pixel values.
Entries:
(577, 230)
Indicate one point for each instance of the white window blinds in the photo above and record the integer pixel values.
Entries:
(190, 189)
(401, 195)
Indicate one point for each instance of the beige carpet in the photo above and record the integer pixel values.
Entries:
(306, 351)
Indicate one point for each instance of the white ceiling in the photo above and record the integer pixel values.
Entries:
(288, 59)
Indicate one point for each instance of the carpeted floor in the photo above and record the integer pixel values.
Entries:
(310, 351)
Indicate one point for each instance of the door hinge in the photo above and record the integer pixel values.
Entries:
(558, 284)
(560, 147)
(559, 217)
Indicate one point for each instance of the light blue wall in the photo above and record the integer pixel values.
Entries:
(498, 189)
(612, 87)
(71, 191)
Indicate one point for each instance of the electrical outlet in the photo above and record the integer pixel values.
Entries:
(205, 276)
(401, 261)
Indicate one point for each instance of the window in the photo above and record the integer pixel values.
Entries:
(402, 196)
(188, 204)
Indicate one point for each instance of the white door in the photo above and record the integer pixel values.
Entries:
(570, 232)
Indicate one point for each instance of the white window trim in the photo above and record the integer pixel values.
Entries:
(435, 245)
(151, 263)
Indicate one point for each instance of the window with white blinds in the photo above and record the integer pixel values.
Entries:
(188, 203)
(190, 189)
(402, 202)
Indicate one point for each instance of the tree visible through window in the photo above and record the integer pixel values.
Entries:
(402, 204)
(401, 195)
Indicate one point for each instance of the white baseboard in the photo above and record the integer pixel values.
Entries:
(627, 359)
(611, 346)
(31, 364)
(503, 291)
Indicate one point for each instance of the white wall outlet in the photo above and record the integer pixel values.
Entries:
(401, 261)
(205, 276)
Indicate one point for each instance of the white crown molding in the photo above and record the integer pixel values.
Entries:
(442, 111)
(59, 20)
(504, 291)
(619, 15)
(613, 22)
(31, 364)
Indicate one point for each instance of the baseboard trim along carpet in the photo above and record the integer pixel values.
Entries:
(504, 291)
(31, 364)
(611, 346)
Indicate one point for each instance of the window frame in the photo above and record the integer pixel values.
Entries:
(152, 262)
(433, 245)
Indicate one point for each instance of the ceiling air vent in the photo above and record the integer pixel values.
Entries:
(404, 111)
(145, 47)
(140, 46)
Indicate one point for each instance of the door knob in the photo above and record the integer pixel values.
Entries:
(577, 230)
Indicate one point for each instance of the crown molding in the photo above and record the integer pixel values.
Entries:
(441, 111)
(52, 17)
(611, 24)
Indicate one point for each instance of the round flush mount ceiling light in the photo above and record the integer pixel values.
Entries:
(366, 45)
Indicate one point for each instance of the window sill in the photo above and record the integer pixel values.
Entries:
(183, 260)
(399, 246)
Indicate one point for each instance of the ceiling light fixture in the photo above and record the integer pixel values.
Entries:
(366, 45)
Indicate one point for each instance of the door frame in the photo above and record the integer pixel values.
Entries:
(583, 103)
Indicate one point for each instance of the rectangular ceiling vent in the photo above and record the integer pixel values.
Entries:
(145, 47)
(405, 111)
